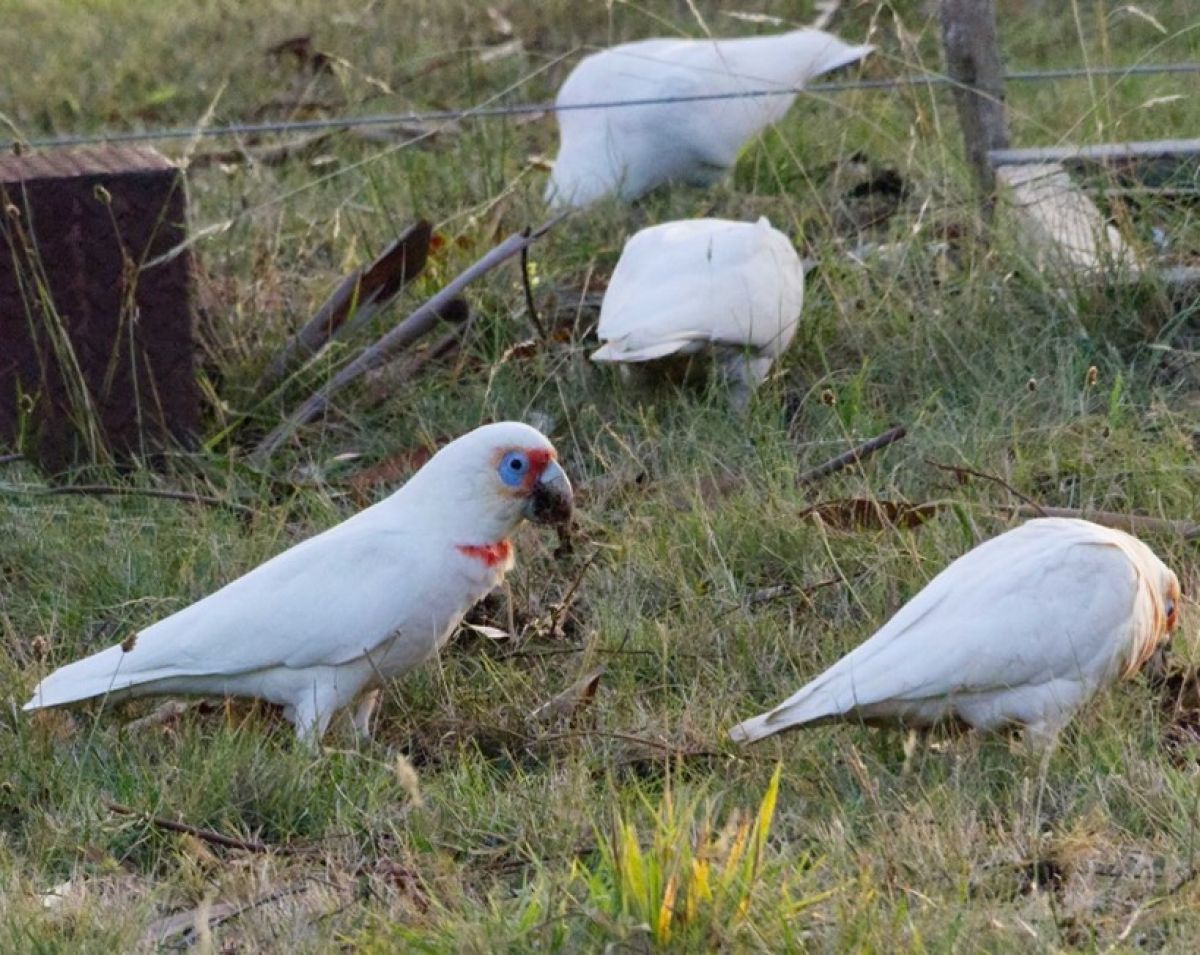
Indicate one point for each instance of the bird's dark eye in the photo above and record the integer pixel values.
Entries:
(513, 467)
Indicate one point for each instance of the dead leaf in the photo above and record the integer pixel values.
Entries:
(864, 513)
(502, 51)
(305, 55)
(390, 471)
(492, 633)
(571, 701)
(407, 777)
(502, 27)
(168, 713)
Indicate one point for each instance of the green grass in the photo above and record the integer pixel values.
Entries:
(566, 835)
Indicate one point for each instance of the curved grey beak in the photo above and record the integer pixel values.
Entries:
(552, 499)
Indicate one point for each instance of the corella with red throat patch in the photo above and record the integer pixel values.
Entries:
(324, 624)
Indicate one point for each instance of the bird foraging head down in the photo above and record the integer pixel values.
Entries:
(1021, 631)
(708, 288)
(327, 621)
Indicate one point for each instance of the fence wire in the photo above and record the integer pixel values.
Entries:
(525, 109)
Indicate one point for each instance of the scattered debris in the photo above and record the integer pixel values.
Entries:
(1179, 701)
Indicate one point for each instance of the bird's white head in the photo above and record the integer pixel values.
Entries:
(480, 486)
(1156, 613)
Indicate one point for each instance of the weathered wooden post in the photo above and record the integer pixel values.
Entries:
(973, 63)
(96, 336)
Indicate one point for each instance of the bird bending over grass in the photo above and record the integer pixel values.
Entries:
(731, 290)
(628, 150)
(326, 622)
(1021, 631)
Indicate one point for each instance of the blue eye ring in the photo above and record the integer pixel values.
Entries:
(513, 468)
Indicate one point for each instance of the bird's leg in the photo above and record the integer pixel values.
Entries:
(1041, 738)
(310, 715)
(912, 740)
(363, 713)
(742, 373)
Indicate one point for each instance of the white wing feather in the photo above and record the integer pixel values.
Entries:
(1022, 610)
(701, 280)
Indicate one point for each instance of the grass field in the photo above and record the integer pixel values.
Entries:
(630, 822)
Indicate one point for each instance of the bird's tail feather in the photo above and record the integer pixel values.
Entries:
(93, 676)
(840, 55)
(801, 709)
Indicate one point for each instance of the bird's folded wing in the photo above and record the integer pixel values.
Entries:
(327, 600)
(1001, 619)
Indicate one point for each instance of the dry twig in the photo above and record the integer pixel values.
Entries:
(962, 472)
(116, 490)
(853, 456)
(210, 836)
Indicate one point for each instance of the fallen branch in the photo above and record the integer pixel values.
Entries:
(410, 330)
(210, 836)
(853, 456)
(1130, 523)
(10, 458)
(362, 294)
(668, 748)
(273, 155)
(961, 472)
(381, 383)
(115, 490)
(184, 923)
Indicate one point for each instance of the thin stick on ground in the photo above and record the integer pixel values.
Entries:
(961, 471)
(853, 456)
(210, 836)
(410, 330)
(116, 490)
(1130, 523)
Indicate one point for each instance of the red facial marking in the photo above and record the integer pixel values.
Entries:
(490, 554)
(538, 459)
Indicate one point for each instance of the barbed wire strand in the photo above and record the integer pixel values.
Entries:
(522, 109)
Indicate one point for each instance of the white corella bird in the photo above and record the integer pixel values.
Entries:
(326, 622)
(1021, 631)
(696, 136)
(730, 290)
